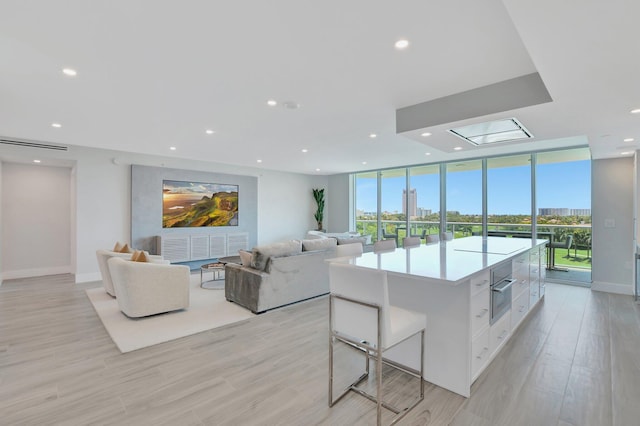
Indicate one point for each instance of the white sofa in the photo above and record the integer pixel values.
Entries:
(342, 237)
(104, 255)
(144, 288)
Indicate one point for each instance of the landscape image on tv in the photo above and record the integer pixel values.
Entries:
(196, 204)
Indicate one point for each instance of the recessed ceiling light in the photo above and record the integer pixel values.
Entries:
(628, 140)
(305, 150)
(36, 161)
(626, 153)
(373, 135)
(317, 170)
(635, 111)
(457, 148)
(209, 131)
(272, 102)
(172, 148)
(70, 72)
(427, 153)
(56, 125)
(259, 161)
(425, 134)
(364, 162)
(402, 44)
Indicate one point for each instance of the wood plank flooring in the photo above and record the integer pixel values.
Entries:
(576, 361)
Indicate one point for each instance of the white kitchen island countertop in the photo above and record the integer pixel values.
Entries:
(448, 261)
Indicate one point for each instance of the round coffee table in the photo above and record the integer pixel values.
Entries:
(217, 283)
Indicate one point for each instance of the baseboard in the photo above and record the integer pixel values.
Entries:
(89, 277)
(36, 272)
(612, 288)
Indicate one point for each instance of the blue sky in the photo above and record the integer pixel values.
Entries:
(559, 185)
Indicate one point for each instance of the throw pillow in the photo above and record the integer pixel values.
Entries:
(319, 244)
(125, 249)
(245, 257)
(135, 255)
(117, 247)
(143, 257)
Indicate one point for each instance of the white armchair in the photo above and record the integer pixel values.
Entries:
(143, 288)
(104, 255)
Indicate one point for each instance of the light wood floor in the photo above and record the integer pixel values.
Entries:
(575, 362)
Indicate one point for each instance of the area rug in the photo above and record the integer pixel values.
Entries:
(208, 309)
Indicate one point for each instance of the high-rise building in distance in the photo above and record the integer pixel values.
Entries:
(410, 208)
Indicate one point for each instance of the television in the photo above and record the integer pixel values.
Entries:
(198, 204)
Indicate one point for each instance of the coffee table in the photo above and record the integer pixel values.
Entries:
(217, 283)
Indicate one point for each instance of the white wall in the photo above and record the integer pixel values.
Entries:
(1, 236)
(36, 228)
(103, 206)
(612, 225)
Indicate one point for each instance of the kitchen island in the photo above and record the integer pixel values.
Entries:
(450, 282)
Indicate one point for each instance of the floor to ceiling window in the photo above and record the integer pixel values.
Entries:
(366, 203)
(407, 201)
(393, 203)
(509, 196)
(563, 193)
(424, 206)
(464, 198)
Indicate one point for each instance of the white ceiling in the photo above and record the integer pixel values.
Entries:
(155, 74)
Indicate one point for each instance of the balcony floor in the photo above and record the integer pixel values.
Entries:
(573, 276)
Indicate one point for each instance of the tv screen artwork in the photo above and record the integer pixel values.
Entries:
(196, 204)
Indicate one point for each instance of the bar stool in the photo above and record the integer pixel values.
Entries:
(384, 245)
(411, 242)
(354, 249)
(432, 239)
(566, 244)
(361, 317)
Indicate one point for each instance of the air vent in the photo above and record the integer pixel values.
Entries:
(28, 144)
(493, 132)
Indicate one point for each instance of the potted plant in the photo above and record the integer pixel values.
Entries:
(318, 195)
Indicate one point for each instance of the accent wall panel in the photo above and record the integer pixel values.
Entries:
(146, 212)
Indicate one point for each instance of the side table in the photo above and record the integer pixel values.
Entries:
(217, 283)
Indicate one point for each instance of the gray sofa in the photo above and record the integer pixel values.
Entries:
(280, 274)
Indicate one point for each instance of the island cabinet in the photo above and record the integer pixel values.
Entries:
(451, 283)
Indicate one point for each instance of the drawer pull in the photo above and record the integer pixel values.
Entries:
(521, 308)
(483, 313)
(503, 335)
(482, 283)
(481, 354)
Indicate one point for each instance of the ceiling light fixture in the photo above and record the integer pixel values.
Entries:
(56, 125)
(628, 140)
(317, 170)
(458, 148)
(172, 148)
(364, 162)
(427, 153)
(272, 102)
(373, 135)
(36, 161)
(425, 134)
(70, 72)
(305, 150)
(259, 161)
(401, 44)
(626, 153)
(497, 131)
(209, 131)
(635, 111)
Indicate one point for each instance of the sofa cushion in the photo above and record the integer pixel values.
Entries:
(245, 257)
(318, 244)
(361, 240)
(260, 255)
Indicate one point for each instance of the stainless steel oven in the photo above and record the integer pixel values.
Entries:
(501, 283)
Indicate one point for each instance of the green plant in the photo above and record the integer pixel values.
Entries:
(318, 195)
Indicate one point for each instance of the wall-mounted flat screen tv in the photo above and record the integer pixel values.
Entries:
(197, 204)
